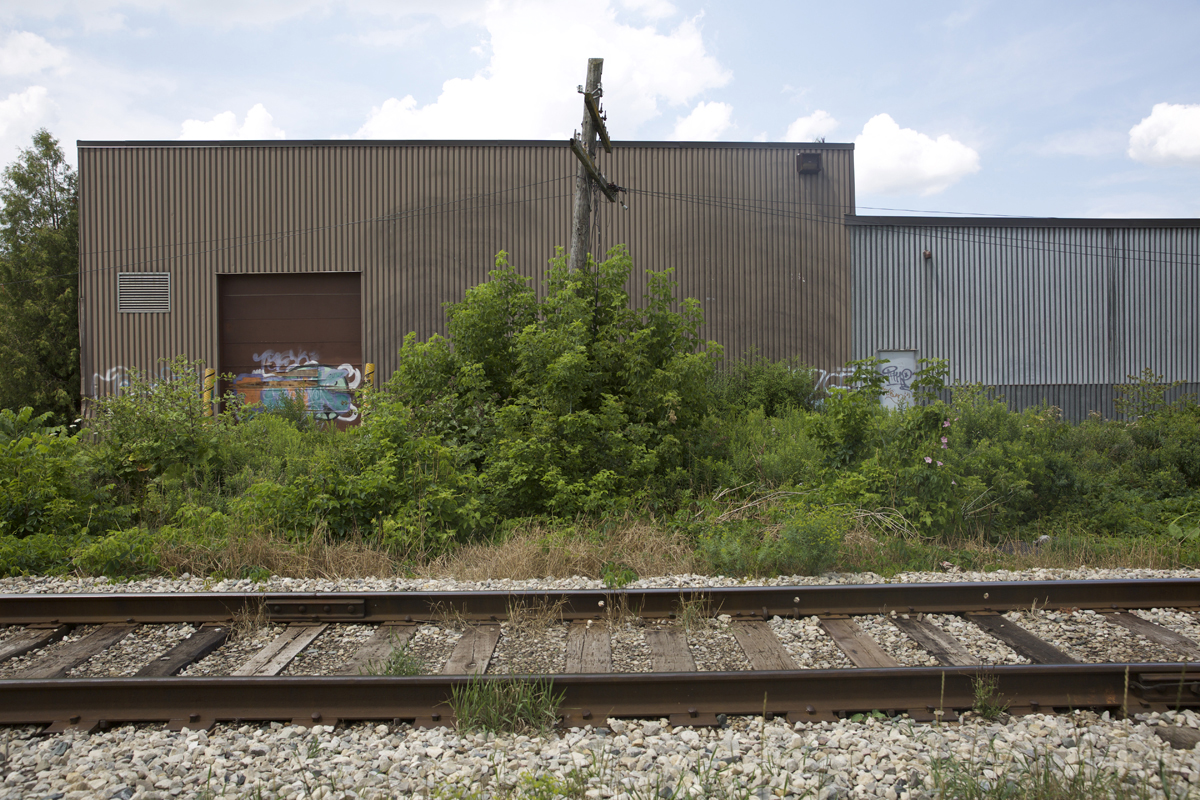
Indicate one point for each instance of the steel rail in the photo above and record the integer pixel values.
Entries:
(739, 602)
(686, 698)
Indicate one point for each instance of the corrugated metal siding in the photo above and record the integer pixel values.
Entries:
(761, 247)
(1054, 314)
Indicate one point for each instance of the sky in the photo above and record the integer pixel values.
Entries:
(1065, 109)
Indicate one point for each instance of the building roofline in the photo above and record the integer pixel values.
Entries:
(853, 220)
(247, 143)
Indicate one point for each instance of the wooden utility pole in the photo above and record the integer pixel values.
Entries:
(585, 151)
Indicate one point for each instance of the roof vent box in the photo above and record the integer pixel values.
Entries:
(808, 163)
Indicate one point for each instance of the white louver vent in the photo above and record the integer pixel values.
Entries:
(144, 292)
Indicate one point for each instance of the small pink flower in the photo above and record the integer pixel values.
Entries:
(939, 463)
(946, 424)
(954, 483)
(945, 439)
(928, 460)
(944, 447)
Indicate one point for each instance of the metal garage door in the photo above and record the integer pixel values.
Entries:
(294, 334)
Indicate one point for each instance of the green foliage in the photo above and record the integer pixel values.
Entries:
(39, 262)
(988, 702)
(568, 404)
(849, 414)
(1144, 395)
(807, 544)
(46, 485)
(616, 575)
(155, 431)
(400, 662)
(775, 387)
(38, 553)
(505, 706)
(120, 553)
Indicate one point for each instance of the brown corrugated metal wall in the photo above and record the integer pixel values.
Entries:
(762, 247)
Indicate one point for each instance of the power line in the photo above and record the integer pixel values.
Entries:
(757, 206)
(969, 236)
(301, 231)
(270, 238)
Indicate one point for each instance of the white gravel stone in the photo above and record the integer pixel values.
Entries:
(808, 644)
(750, 757)
(889, 758)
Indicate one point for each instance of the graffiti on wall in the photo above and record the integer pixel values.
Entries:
(827, 378)
(328, 391)
(898, 369)
(110, 382)
(277, 360)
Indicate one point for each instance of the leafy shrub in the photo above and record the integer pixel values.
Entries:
(37, 554)
(807, 544)
(46, 485)
(754, 448)
(120, 553)
(776, 387)
(850, 415)
(568, 404)
(156, 430)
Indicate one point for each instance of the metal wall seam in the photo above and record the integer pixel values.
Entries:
(1046, 311)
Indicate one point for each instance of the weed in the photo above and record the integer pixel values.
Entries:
(535, 616)
(505, 706)
(249, 620)
(988, 703)
(617, 575)
(1039, 777)
(694, 612)
(449, 616)
(400, 662)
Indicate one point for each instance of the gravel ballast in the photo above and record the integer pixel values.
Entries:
(881, 758)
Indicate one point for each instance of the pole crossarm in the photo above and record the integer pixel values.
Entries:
(594, 111)
(592, 171)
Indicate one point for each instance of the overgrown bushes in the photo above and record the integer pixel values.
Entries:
(576, 406)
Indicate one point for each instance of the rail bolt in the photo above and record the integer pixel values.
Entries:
(693, 713)
(587, 713)
(316, 716)
(301, 609)
(810, 709)
(326, 609)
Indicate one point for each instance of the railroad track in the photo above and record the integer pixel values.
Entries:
(47, 641)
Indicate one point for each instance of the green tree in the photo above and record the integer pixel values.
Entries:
(39, 282)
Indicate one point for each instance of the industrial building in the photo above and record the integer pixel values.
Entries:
(1053, 311)
(303, 261)
(260, 257)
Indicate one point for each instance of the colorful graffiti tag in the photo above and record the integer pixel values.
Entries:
(328, 391)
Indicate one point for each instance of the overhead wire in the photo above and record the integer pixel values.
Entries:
(970, 235)
(275, 237)
(764, 207)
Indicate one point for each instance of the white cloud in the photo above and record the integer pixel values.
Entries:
(24, 53)
(20, 116)
(257, 125)
(806, 129)
(706, 122)
(889, 159)
(651, 9)
(1170, 135)
(538, 55)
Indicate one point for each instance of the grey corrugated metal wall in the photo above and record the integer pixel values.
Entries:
(1046, 310)
(761, 247)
